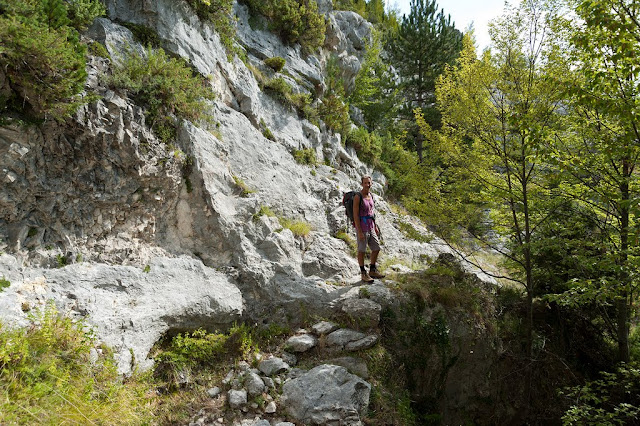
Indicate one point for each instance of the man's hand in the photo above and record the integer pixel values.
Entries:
(360, 235)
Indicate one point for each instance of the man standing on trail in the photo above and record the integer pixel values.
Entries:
(367, 230)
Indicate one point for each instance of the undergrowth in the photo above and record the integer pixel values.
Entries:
(48, 376)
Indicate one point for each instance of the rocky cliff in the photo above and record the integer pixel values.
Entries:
(143, 238)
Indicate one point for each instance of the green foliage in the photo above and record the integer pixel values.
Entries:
(164, 86)
(305, 156)
(146, 269)
(42, 57)
(4, 283)
(242, 186)
(335, 113)
(611, 400)
(283, 91)
(375, 92)
(264, 211)
(61, 260)
(81, 13)
(145, 35)
(351, 242)
(299, 228)
(425, 43)
(280, 88)
(97, 49)
(48, 377)
(190, 349)
(409, 231)
(276, 63)
(219, 13)
(187, 352)
(296, 21)
(390, 402)
(368, 145)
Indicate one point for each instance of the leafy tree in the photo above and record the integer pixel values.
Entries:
(375, 93)
(501, 112)
(600, 150)
(425, 42)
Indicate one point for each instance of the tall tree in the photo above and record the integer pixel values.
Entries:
(602, 148)
(425, 43)
(501, 112)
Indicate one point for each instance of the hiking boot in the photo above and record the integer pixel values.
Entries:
(365, 277)
(375, 274)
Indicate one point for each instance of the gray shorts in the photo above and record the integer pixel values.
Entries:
(370, 238)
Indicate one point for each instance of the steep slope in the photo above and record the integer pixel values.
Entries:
(107, 202)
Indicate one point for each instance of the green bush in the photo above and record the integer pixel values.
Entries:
(48, 376)
(335, 114)
(164, 86)
(280, 89)
(42, 57)
(145, 35)
(219, 13)
(4, 283)
(298, 227)
(368, 145)
(276, 63)
(296, 21)
(81, 13)
(305, 156)
(264, 211)
(409, 231)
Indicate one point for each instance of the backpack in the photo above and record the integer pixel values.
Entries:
(347, 202)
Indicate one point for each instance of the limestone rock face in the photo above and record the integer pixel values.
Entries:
(86, 205)
(128, 307)
(325, 395)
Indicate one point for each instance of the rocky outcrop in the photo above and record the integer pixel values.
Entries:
(102, 197)
(129, 308)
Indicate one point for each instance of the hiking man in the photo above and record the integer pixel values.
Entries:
(367, 230)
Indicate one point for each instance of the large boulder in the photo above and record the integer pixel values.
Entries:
(129, 308)
(326, 395)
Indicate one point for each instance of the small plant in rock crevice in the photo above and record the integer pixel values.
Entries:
(4, 283)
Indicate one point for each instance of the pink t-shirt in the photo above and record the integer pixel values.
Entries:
(366, 213)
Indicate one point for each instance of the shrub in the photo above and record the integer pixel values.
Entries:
(48, 374)
(264, 211)
(305, 156)
(368, 145)
(296, 21)
(298, 227)
(42, 57)
(280, 88)
(4, 283)
(335, 114)
(613, 399)
(145, 35)
(409, 231)
(219, 13)
(353, 246)
(242, 186)
(276, 63)
(164, 86)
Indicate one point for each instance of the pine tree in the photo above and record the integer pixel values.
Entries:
(426, 42)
